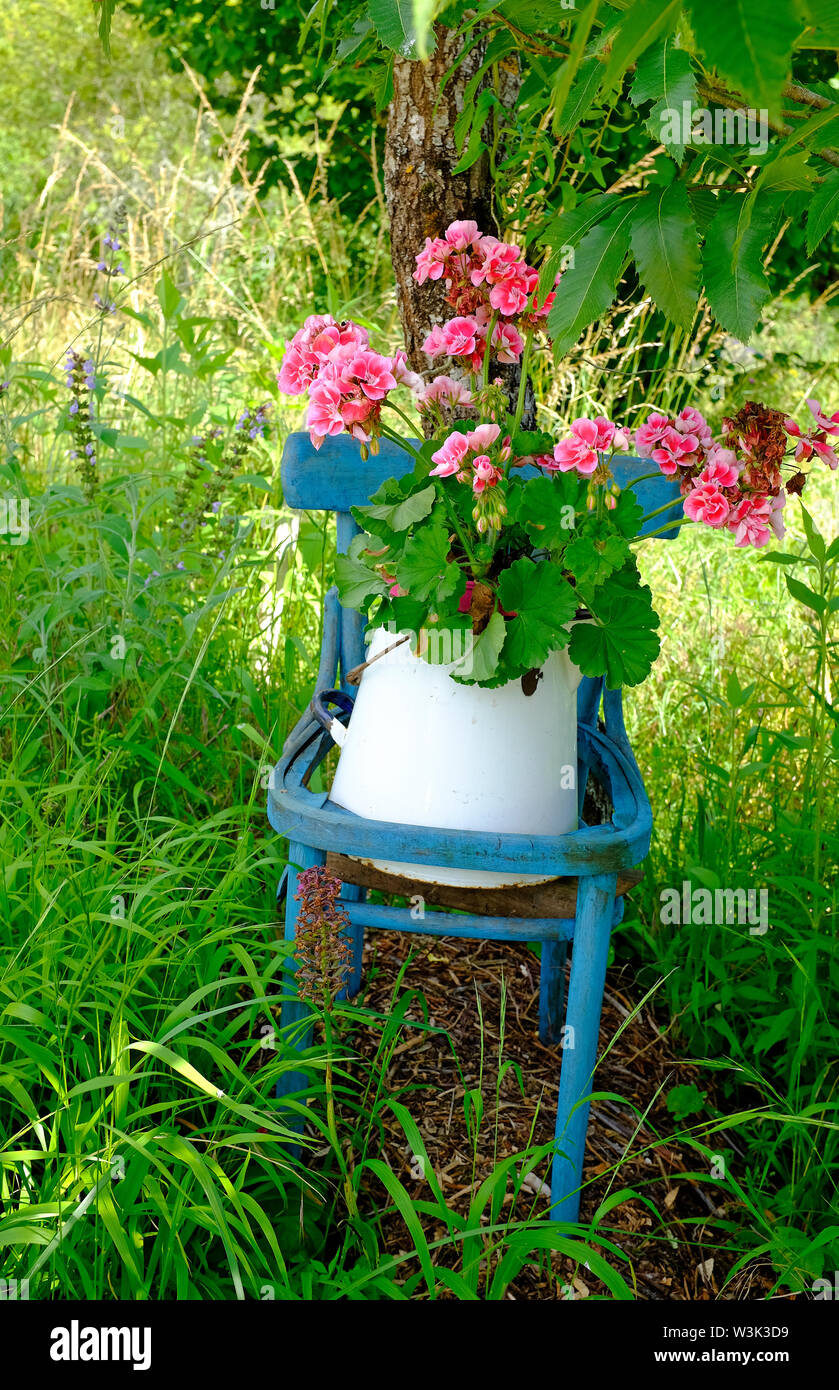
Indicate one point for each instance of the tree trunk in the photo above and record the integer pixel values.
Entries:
(423, 193)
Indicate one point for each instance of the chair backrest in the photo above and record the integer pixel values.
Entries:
(335, 478)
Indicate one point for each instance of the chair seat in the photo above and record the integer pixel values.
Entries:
(310, 818)
(555, 898)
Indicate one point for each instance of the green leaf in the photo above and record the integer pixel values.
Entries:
(823, 211)
(592, 557)
(665, 76)
(748, 42)
(528, 442)
(815, 539)
(393, 21)
(425, 568)
(685, 1100)
(481, 661)
(640, 26)
(815, 602)
(169, 296)
(546, 508)
(398, 516)
(787, 172)
(735, 284)
(587, 289)
(486, 100)
(568, 70)
(544, 602)
(628, 513)
(666, 250)
(823, 17)
(107, 9)
(621, 643)
(357, 582)
(423, 26)
(580, 97)
(567, 230)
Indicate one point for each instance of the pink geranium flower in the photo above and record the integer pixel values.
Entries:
(483, 436)
(750, 521)
(324, 414)
(296, 372)
(776, 515)
(706, 503)
(510, 295)
(809, 444)
(460, 235)
(449, 457)
(431, 261)
(373, 374)
(403, 373)
(649, 434)
(673, 449)
(690, 421)
(446, 389)
(508, 342)
(434, 345)
(579, 450)
(828, 423)
(497, 259)
(720, 467)
(485, 474)
(459, 336)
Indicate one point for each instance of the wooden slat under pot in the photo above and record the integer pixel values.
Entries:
(556, 898)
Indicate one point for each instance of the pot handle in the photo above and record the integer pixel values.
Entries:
(330, 722)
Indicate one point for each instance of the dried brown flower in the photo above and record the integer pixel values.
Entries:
(321, 947)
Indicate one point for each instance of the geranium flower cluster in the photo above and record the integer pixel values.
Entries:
(735, 482)
(346, 381)
(492, 290)
(582, 448)
(477, 459)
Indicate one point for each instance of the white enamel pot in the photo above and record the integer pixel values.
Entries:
(423, 749)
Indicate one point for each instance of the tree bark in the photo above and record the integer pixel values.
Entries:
(423, 193)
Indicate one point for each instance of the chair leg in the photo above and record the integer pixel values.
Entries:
(589, 953)
(552, 991)
(351, 893)
(294, 1009)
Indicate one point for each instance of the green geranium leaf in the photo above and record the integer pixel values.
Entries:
(594, 555)
(398, 515)
(621, 643)
(627, 514)
(406, 614)
(425, 569)
(546, 508)
(543, 602)
(532, 442)
(357, 581)
(480, 662)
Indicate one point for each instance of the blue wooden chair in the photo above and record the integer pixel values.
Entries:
(592, 866)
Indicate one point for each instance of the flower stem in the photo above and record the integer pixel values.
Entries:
(403, 443)
(352, 1205)
(525, 363)
(679, 521)
(488, 353)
